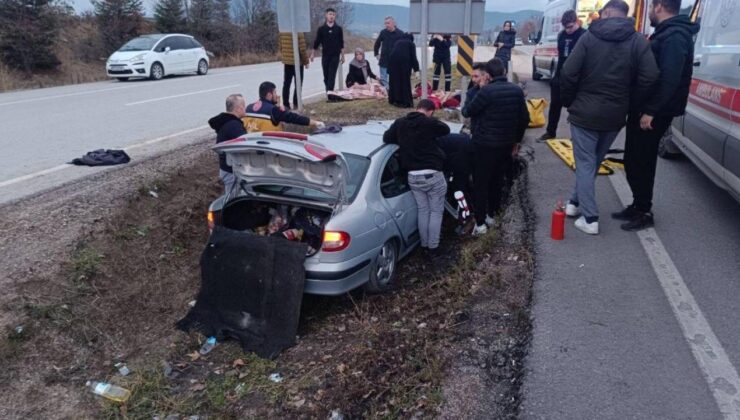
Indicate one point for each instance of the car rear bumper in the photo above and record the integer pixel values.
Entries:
(332, 279)
(127, 70)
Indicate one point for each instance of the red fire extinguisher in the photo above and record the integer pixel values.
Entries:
(557, 231)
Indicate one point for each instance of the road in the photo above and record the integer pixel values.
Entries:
(634, 326)
(43, 129)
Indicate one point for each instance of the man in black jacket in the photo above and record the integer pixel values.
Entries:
(610, 65)
(416, 134)
(441, 60)
(331, 39)
(228, 125)
(499, 118)
(567, 39)
(384, 46)
(673, 46)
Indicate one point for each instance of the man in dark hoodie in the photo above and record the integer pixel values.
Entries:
(228, 125)
(610, 65)
(384, 46)
(424, 160)
(673, 46)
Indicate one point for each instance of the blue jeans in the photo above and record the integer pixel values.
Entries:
(229, 181)
(429, 192)
(384, 76)
(589, 149)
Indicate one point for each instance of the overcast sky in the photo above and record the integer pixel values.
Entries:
(492, 5)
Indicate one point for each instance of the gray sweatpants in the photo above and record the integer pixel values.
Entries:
(589, 148)
(429, 192)
(229, 181)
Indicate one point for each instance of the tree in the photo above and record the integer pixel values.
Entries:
(169, 16)
(200, 18)
(118, 21)
(28, 33)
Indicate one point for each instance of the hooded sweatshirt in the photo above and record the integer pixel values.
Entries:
(610, 65)
(672, 44)
(227, 127)
(417, 134)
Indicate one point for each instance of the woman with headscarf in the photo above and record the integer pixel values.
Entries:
(505, 41)
(359, 70)
(401, 63)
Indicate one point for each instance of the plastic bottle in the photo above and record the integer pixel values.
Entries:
(209, 345)
(557, 230)
(109, 391)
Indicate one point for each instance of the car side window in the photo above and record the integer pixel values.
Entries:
(180, 43)
(393, 180)
(195, 43)
(167, 42)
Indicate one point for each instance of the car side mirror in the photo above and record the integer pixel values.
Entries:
(167, 49)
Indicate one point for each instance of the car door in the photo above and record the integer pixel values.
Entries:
(398, 200)
(185, 57)
(166, 55)
(190, 56)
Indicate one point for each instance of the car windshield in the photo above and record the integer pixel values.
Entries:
(357, 167)
(144, 43)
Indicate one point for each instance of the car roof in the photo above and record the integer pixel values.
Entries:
(360, 140)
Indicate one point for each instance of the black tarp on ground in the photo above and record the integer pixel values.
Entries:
(251, 290)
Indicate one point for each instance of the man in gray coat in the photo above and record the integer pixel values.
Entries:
(610, 66)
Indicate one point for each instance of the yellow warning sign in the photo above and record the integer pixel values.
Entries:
(465, 46)
(564, 150)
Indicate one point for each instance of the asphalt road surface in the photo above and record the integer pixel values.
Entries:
(43, 129)
(627, 325)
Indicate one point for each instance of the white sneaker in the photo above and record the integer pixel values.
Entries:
(490, 221)
(590, 228)
(480, 230)
(571, 210)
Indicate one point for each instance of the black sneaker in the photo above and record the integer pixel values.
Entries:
(640, 222)
(545, 137)
(629, 213)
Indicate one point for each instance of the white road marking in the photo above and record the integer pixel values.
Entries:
(197, 92)
(66, 95)
(719, 372)
(127, 149)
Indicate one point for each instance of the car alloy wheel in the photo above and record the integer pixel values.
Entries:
(202, 67)
(386, 265)
(157, 71)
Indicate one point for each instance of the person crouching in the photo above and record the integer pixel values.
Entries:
(422, 157)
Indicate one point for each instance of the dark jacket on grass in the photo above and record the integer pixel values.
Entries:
(385, 43)
(498, 114)
(610, 65)
(672, 44)
(227, 127)
(417, 134)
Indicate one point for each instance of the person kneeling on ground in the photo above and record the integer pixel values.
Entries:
(359, 70)
(228, 125)
(499, 118)
(422, 157)
(268, 115)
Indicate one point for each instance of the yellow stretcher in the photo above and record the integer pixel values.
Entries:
(563, 148)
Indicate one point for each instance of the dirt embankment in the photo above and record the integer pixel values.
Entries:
(99, 272)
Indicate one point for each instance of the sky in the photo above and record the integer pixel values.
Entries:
(491, 5)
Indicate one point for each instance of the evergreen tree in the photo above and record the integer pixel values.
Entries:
(28, 32)
(118, 21)
(201, 19)
(169, 16)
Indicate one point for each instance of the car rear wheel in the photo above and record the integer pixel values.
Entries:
(383, 269)
(156, 72)
(666, 148)
(202, 67)
(122, 79)
(535, 74)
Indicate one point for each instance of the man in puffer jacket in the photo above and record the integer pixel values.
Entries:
(610, 65)
(499, 118)
(673, 46)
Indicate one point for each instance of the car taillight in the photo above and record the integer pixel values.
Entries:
(211, 220)
(335, 241)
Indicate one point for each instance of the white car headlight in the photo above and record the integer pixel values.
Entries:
(137, 57)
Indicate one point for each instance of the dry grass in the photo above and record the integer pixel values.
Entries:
(243, 59)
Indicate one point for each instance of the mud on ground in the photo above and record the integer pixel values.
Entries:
(98, 273)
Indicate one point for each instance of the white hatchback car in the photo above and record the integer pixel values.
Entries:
(158, 55)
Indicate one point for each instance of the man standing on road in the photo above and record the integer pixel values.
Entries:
(567, 39)
(610, 64)
(286, 53)
(499, 118)
(422, 157)
(673, 46)
(331, 39)
(228, 125)
(384, 46)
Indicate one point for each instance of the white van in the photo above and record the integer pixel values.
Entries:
(545, 58)
(158, 55)
(709, 132)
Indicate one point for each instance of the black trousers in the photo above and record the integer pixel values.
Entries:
(641, 159)
(490, 168)
(438, 66)
(288, 76)
(330, 64)
(556, 106)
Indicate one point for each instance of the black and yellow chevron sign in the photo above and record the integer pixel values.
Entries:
(465, 45)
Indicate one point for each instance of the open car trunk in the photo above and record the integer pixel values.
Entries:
(298, 223)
